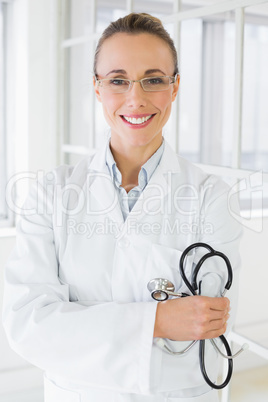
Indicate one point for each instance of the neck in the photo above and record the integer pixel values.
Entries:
(129, 161)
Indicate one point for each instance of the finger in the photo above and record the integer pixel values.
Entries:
(219, 315)
(212, 303)
(217, 325)
(216, 332)
(206, 303)
(220, 303)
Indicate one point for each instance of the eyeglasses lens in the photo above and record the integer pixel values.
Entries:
(155, 84)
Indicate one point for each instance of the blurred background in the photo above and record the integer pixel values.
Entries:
(49, 116)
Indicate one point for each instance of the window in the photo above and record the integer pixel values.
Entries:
(255, 95)
(3, 161)
(6, 110)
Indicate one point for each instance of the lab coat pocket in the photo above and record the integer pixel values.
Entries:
(54, 393)
(163, 262)
(71, 289)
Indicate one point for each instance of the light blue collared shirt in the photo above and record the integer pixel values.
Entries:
(128, 200)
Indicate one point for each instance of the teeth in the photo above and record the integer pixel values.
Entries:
(140, 120)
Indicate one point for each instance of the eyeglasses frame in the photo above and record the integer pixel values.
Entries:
(172, 78)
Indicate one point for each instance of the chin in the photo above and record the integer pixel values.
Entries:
(139, 139)
(140, 143)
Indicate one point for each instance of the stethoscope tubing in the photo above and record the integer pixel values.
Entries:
(161, 289)
(193, 289)
(207, 256)
(203, 367)
(212, 253)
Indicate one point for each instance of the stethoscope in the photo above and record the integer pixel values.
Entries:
(162, 289)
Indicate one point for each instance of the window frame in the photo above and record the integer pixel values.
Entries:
(8, 218)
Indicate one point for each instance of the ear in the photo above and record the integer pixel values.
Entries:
(96, 89)
(175, 88)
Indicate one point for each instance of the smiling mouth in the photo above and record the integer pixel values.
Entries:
(137, 121)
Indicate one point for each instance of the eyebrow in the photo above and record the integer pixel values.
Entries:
(154, 70)
(147, 72)
(117, 72)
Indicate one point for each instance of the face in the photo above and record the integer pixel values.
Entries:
(135, 57)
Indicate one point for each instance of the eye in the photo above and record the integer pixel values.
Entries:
(118, 82)
(155, 81)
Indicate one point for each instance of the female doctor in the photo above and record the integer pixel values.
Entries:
(92, 236)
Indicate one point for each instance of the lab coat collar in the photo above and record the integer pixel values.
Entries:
(102, 186)
(169, 161)
(98, 162)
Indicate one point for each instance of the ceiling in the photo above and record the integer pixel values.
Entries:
(158, 5)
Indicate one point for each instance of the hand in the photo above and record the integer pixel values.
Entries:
(193, 317)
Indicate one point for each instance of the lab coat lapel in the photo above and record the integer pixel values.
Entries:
(102, 188)
(151, 201)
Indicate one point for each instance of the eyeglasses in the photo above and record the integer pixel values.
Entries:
(121, 85)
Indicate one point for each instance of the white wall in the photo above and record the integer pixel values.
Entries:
(252, 317)
(253, 276)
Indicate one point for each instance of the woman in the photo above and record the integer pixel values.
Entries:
(76, 298)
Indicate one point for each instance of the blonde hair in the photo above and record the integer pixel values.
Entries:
(134, 24)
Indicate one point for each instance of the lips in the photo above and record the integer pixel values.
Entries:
(137, 120)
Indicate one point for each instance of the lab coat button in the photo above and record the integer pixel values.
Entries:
(124, 242)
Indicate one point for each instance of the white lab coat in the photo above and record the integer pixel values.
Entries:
(76, 302)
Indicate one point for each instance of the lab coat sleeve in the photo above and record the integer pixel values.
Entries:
(107, 345)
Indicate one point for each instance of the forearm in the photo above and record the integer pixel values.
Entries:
(79, 342)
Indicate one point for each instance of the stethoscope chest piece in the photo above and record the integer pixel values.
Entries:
(160, 288)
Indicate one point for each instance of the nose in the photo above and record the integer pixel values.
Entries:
(136, 96)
